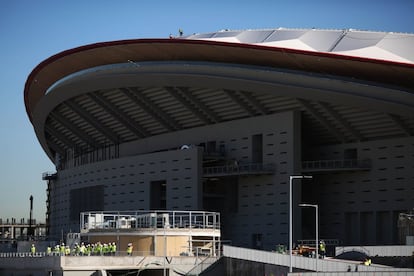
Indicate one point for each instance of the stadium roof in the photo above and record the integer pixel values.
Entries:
(132, 89)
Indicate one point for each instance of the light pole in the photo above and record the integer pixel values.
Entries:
(316, 229)
(290, 214)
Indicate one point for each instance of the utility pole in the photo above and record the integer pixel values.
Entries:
(30, 231)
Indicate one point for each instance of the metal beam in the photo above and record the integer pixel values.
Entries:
(178, 95)
(55, 146)
(93, 122)
(341, 121)
(322, 120)
(79, 133)
(254, 102)
(401, 124)
(152, 109)
(119, 115)
(55, 133)
(237, 98)
(198, 104)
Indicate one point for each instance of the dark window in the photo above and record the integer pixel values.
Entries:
(257, 148)
(350, 154)
(86, 199)
(257, 241)
(158, 195)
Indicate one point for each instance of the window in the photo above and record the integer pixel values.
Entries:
(158, 191)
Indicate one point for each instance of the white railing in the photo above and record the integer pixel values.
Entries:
(21, 254)
(149, 220)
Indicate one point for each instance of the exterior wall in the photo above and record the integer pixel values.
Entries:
(126, 185)
(264, 200)
(261, 200)
(362, 207)
(175, 245)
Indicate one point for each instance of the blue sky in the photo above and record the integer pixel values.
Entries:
(31, 31)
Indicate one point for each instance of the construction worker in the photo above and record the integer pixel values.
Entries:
(49, 250)
(82, 249)
(322, 249)
(88, 250)
(367, 261)
(113, 249)
(100, 248)
(62, 249)
(56, 250)
(67, 250)
(32, 250)
(105, 249)
(76, 249)
(129, 249)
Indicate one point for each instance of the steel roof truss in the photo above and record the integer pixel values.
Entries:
(93, 121)
(401, 124)
(152, 109)
(194, 101)
(56, 147)
(55, 133)
(322, 120)
(75, 130)
(341, 121)
(178, 95)
(118, 115)
(238, 99)
(254, 102)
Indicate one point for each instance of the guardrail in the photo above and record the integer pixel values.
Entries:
(250, 168)
(344, 164)
(21, 254)
(149, 220)
(41, 254)
(381, 251)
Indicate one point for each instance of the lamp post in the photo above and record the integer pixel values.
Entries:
(316, 229)
(292, 177)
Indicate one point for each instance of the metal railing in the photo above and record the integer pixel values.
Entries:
(249, 168)
(344, 164)
(21, 254)
(125, 220)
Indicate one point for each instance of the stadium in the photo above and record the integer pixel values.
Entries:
(220, 121)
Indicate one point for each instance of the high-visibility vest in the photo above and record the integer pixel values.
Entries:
(129, 249)
(322, 247)
(33, 249)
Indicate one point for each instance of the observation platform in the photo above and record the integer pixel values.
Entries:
(155, 233)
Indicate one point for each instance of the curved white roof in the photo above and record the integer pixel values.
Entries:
(397, 47)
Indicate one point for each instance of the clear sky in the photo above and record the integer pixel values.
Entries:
(33, 30)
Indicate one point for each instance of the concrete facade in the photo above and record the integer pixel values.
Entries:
(260, 201)
(362, 207)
